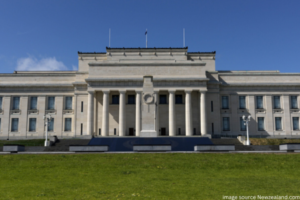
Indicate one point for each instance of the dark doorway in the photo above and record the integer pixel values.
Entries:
(131, 132)
(163, 131)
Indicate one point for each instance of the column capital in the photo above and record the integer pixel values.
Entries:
(138, 91)
(202, 91)
(188, 90)
(122, 91)
(172, 91)
(91, 92)
(105, 91)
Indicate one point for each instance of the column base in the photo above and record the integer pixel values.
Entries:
(148, 133)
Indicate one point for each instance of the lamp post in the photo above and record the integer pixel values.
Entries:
(46, 120)
(247, 120)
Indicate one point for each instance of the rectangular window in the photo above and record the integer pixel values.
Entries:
(68, 124)
(81, 128)
(194, 131)
(225, 102)
(115, 99)
(51, 102)
(179, 131)
(242, 124)
(32, 124)
(99, 131)
(212, 106)
(276, 102)
(68, 103)
(294, 103)
(278, 125)
(82, 106)
(16, 103)
(259, 102)
(0, 103)
(115, 131)
(242, 101)
(212, 128)
(295, 123)
(162, 99)
(131, 99)
(33, 103)
(226, 125)
(261, 123)
(51, 125)
(178, 99)
(14, 124)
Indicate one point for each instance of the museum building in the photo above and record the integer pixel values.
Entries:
(106, 97)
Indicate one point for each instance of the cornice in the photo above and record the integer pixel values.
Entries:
(36, 85)
(145, 64)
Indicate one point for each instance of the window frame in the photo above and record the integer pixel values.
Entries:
(48, 103)
(160, 99)
(176, 98)
(240, 102)
(65, 103)
(12, 122)
(29, 125)
(13, 100)
(275, 99)
(65, 122)
(258, 128)
(115, 97)
(223, 128)
(227, 106)
(292, 102)
(30, 100)
(256, 101)
(280, 124)
(133, 98)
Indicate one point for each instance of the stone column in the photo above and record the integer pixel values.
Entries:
(172, 131)
(90, 113)
(105, 120)
(156, 96)
(203, 112)
(188, 113)
(122, 113)
(138, 113)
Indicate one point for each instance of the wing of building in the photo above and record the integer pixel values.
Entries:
(105, 97)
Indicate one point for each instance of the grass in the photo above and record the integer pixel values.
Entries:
(265, 141)
(147, 176)
(37, 142)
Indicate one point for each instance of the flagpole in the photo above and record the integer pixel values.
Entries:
(146, 39)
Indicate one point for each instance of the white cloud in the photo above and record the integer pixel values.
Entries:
(45, 64)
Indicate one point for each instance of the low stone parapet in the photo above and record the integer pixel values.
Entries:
(152, 148)
(88, 148)
(13, 148)
(289, 147)
(214, 147)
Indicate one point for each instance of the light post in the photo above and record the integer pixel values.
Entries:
(46, 120)
(247, 120)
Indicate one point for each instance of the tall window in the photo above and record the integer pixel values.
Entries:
(295, 123)
(242, 124)
(33, 103)
(32, 124)
(0, 124)
(242, 101)
(131, 99)
(162, 99)
(226, 125)
(212, 106)
(294, 103)
(14, 124)
(68, 104)
(278, 125)
(16, 103)
(225, 102)
(178, 99)
(68, 124)
(259, 102)
(51, 125)
(0, 103)
(261, 123)
(115, 99)
(277, 102)
(51, 103)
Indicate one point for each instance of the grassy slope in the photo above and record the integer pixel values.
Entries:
(147, 176)
(38, 142)
(264, 141)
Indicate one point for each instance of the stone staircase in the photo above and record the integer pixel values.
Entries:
(63, 144)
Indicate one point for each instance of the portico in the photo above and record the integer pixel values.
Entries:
(119, 126)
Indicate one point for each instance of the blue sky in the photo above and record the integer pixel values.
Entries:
(247, 34)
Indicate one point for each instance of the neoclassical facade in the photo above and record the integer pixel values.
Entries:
(105, 97)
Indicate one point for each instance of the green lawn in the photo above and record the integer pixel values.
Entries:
(147, 176)
(37, 142)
